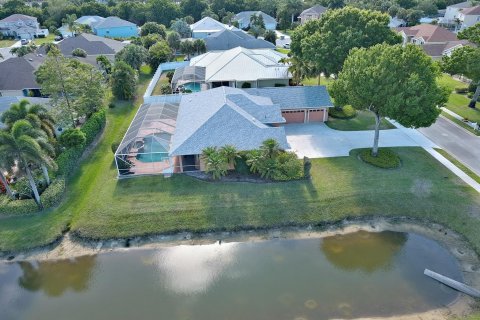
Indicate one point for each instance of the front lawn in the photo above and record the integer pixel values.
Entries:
(7, 42)
(459, 104)
(314, 81)
(445, 80)
(47, 39)
(364, 120)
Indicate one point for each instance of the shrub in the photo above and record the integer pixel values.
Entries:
(114, 146)
(472, 87)
(54, 193)
(246, 85)
(165, 89)
(169, 76)
(111, 105)
(287, 167)
(386, 158)
(241, 166)
(67, 160)
(78, 52)
(72, 138)
(93, 125)
(279, 85)
(346, 112)
(461, 90)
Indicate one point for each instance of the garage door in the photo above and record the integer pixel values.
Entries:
(294, 116)
(315, 115)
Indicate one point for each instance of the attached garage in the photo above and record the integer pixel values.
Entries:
(294, 116)
(317, 115)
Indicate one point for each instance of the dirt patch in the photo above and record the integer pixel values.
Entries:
(468, 260)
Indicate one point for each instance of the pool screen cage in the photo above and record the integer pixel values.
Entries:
(186, 75)
(144, 148)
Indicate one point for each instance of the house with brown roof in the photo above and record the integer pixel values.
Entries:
(435, 40)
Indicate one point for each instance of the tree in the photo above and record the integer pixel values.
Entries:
(465, 61)
(69, 21)
(325, 43)
(162, 11)
(391, 81)
(209, 13)
(230, 153)
(215, 162)
(72, 138)
(270, 36)
(291, 7)
(270, 148)
(89, 90)
(104, 63)
(133, 55)
(471, 34)
(199, 46)
(23, 50)
(37, 115)
(257, 20)
(186, 47)
(174, 41)
(7, 162)
(155, 28)
(193, 8)
(182, 28)
(159, 53)
(23, 143)
(150, 40)
(124, 81)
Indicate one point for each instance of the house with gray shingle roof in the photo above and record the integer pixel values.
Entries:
(92, 44)
(243, 19)
(312, 13)
(20, 26)
(17, 77)
(114, 27)
(227, 39)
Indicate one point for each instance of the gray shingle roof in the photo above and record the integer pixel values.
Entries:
(17, 74)
(227, 39)
(113, 22)
(317, 9)
(213, 118)
(92, 44)
(16, 17)
(290, 98)
(246, 15)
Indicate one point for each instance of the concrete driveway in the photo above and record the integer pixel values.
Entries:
(5, 52)
(282, 39)
(460, 143)
(319, 141)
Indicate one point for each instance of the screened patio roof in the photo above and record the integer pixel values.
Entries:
(188, 74)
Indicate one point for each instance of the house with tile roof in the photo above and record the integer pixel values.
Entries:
(243, 18)
(207, 27)
(312, 13)
(114, 27)
(243, 68)
(228, 39)
(20, 26)
(435, 40)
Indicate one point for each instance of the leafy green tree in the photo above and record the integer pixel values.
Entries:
(89, 90)
(23, 50)
(124, 81)
(104, 63)
(199, 46)
(174, 41)
(270, 36)
(291, 7)
(257, 20)
(150, 40)
(162, 11)
(23, 142)
(332, 4)
(37, 115)
(471, 34)
(227, 5)
(193, 8)
(72, 138)
(465, 61)
(391, 81)
(325, 43)
(133, 55)
(209, 13)
(159, 53)
(181, 27)
(154, 28)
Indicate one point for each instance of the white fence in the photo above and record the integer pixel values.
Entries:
(161, 68)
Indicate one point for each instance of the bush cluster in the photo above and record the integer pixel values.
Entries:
(346, 112)
(461, 90)
(385, 159)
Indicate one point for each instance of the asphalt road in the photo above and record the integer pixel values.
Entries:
(458, 142)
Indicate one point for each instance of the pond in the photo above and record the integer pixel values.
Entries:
(345, 276)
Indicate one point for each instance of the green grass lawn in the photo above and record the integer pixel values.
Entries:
(460, 165)
(447, 81)
(158, 87)
(47, 39)
(100, 206)
(459, 104)
(364, 120)
(314, 81)
(283, 50)
(461, 123)
(6, 43)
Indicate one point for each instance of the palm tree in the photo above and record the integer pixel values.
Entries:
(254, 158)
(270, 148)
(69, 20)
(230, 153)
(36, 114)
(216, 164)
(24, 143)
(199, 46)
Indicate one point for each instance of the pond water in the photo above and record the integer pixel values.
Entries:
(344, 276)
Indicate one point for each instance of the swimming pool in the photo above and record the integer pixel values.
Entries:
(193, 86)
(153, 150)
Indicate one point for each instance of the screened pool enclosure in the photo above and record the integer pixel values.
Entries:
(189, 79)
(144, 148)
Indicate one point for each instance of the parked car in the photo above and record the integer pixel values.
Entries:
(286, 46)
(58, 38)
(24, 42)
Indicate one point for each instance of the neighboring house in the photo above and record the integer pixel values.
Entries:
(435, 40)
(114, 27)
(20, 26)
(452, 12)
(7, 101)
(240, 67)
(396, 22)
(243, 18)
(17, 78)
(227, 39)
(84, 20)
(469, 17)
(207, 27)
(311, 13)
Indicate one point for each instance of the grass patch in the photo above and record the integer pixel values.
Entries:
(161, 81)
(283, 50)
(460, 123)
(385, 159)
(460, 165)
(364, 120)
(314, 81)
(347, 112)
(446, 80)
(47, 39)
(458, 103)
(7, 43)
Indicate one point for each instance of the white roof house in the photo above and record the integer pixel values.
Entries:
(208, 26)
(237, 66)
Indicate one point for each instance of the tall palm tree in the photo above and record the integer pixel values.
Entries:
(69, 20)
(36, 114)
(23, 142)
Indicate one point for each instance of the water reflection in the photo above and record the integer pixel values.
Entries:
(362, 250)
(56, 277)
(193, 269)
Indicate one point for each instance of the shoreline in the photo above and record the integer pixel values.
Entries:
(468, 261)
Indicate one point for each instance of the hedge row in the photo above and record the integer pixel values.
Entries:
(50, 198)
(68, 159)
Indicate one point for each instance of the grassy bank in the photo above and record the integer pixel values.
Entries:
(364, 120)
(459, 165)
(460, 123)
